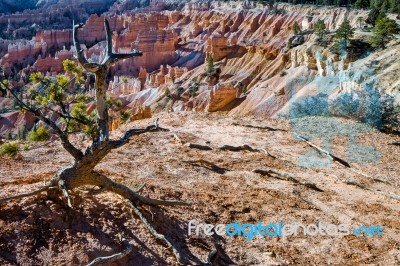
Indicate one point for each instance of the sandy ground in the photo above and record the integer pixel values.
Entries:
(37, 231)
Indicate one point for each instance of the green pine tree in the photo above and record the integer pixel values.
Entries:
(320, 28)
(344, 33)
(360, 21)
(296, 28)
(362, 4)
(373, 16)
(210, 65)
(384, 31)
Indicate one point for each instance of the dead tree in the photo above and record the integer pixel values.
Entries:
(81, 171)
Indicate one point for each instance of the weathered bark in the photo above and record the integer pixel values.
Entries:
(115, 257)
(81, 172)
(101, 104)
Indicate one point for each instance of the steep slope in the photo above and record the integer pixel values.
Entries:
(37, 231)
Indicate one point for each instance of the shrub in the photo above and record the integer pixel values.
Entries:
(390, 114)
(39, 134)
(296, 28)
(194, 88)
(290, 43)
(26, 147)
(320, 29)
(124, 116)
(11, 149)
(167, 93)
(210, 66)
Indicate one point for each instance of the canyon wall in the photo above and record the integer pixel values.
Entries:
(254, 70)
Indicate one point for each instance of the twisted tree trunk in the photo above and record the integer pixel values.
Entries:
(81, 172)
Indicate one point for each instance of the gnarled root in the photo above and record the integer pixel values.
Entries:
(67, 180)
(29, 194)
(155, 233)
(115, 257)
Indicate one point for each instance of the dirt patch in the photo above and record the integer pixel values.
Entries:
(38, 231)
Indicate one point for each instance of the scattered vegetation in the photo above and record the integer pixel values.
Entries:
(210, 66)
(180, 91)
(320, 29)
(290, 43)
(124, 116)
(194, 88)
(343, 34)
(379, 5)
(384, 31)
(373, 16)
(11, 149)
(360, 20)
(390, 114)
(167, 93)
(39, 134)
(296, 28)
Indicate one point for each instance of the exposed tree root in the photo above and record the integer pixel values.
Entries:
(139, 189)
(127, 193)
(81, 172)
(327, 153)
(286, 176)
(208, 165)
(198, 146)
(342, 162)
(361, 186)
(25, 195)
(269, 128)
(218, 256)
(155, 233)
(388, 194)
(244, 147)
(106, 185)
(65, 193)
(97, 191)
(115, 257)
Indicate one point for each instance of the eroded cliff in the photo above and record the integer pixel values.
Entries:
(255, 72)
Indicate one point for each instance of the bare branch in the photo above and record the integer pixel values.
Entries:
(327, 153)
(135, 132)
(198, 146)
(115, 257)
(108, 37)
(286, 176)
(155, 233)
(208, 165)
(91, 67)
(259, 127)
(79, 52)
(115, 57)
(244, 147)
